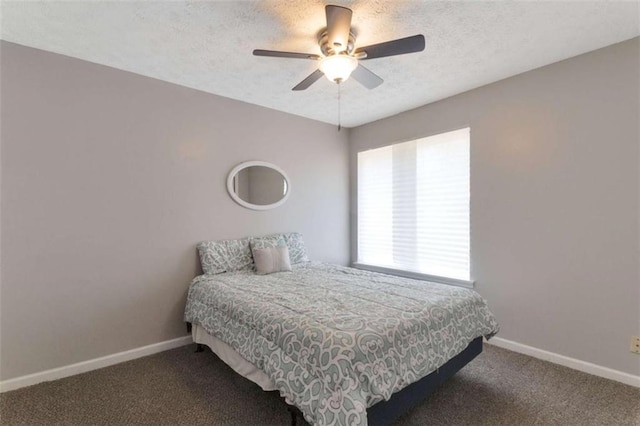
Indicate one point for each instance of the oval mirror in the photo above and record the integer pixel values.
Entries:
(258, 185)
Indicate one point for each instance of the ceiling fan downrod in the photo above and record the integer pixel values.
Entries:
(339, 111)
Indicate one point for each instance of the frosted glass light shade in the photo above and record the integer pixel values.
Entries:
(338, 68)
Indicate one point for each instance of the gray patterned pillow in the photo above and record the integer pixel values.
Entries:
(292, 240)
(225, 256)
(268, 241)
(297, 251)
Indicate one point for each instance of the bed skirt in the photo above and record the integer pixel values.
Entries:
(232, 358)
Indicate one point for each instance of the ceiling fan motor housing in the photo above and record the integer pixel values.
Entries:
(329, 49)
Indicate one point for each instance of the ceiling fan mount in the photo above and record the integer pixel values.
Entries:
(340, 58)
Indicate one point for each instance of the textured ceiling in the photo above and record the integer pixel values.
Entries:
(208, 45)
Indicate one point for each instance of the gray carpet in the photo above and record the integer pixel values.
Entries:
(180, 387)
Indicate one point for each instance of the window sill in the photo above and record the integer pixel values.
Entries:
(415, 275)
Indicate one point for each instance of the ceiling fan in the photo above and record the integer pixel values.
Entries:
(340, 58)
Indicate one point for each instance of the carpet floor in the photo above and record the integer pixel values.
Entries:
(181, 387)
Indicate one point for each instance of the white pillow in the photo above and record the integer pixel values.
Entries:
(271, 259)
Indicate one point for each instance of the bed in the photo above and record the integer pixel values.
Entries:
(340, 344)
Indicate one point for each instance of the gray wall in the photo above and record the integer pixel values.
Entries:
(554, 199)
(109, 179)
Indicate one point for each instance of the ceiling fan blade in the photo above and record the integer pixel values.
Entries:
(277, 54)
(366, 77)
(312, 78)
(394, 47)
(338, 27)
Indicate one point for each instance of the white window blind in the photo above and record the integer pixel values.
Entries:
(413, 206)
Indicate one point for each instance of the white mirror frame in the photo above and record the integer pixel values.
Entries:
(241, 166)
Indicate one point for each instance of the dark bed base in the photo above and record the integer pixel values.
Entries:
(386, 412)
(199, 347)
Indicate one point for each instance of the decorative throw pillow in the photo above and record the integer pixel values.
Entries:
(271, 259)
(225, 256)
(292, 240)
(268, 241)
(297, 251)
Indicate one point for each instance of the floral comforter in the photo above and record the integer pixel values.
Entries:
(336, 340)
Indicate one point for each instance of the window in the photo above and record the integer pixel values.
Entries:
(413, 206)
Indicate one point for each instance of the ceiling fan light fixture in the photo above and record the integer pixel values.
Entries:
(340, 58)
(338, 68)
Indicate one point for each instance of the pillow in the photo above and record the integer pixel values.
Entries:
(271, 259)
(269, 241)
(292, 240)
(295, 244)
(225, 256)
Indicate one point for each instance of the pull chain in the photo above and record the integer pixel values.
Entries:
(339, 115)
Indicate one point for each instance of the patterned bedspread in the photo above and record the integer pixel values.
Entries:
(336, 340)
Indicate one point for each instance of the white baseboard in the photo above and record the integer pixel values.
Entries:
(576, 364)
(92, 364)
(105, 361)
